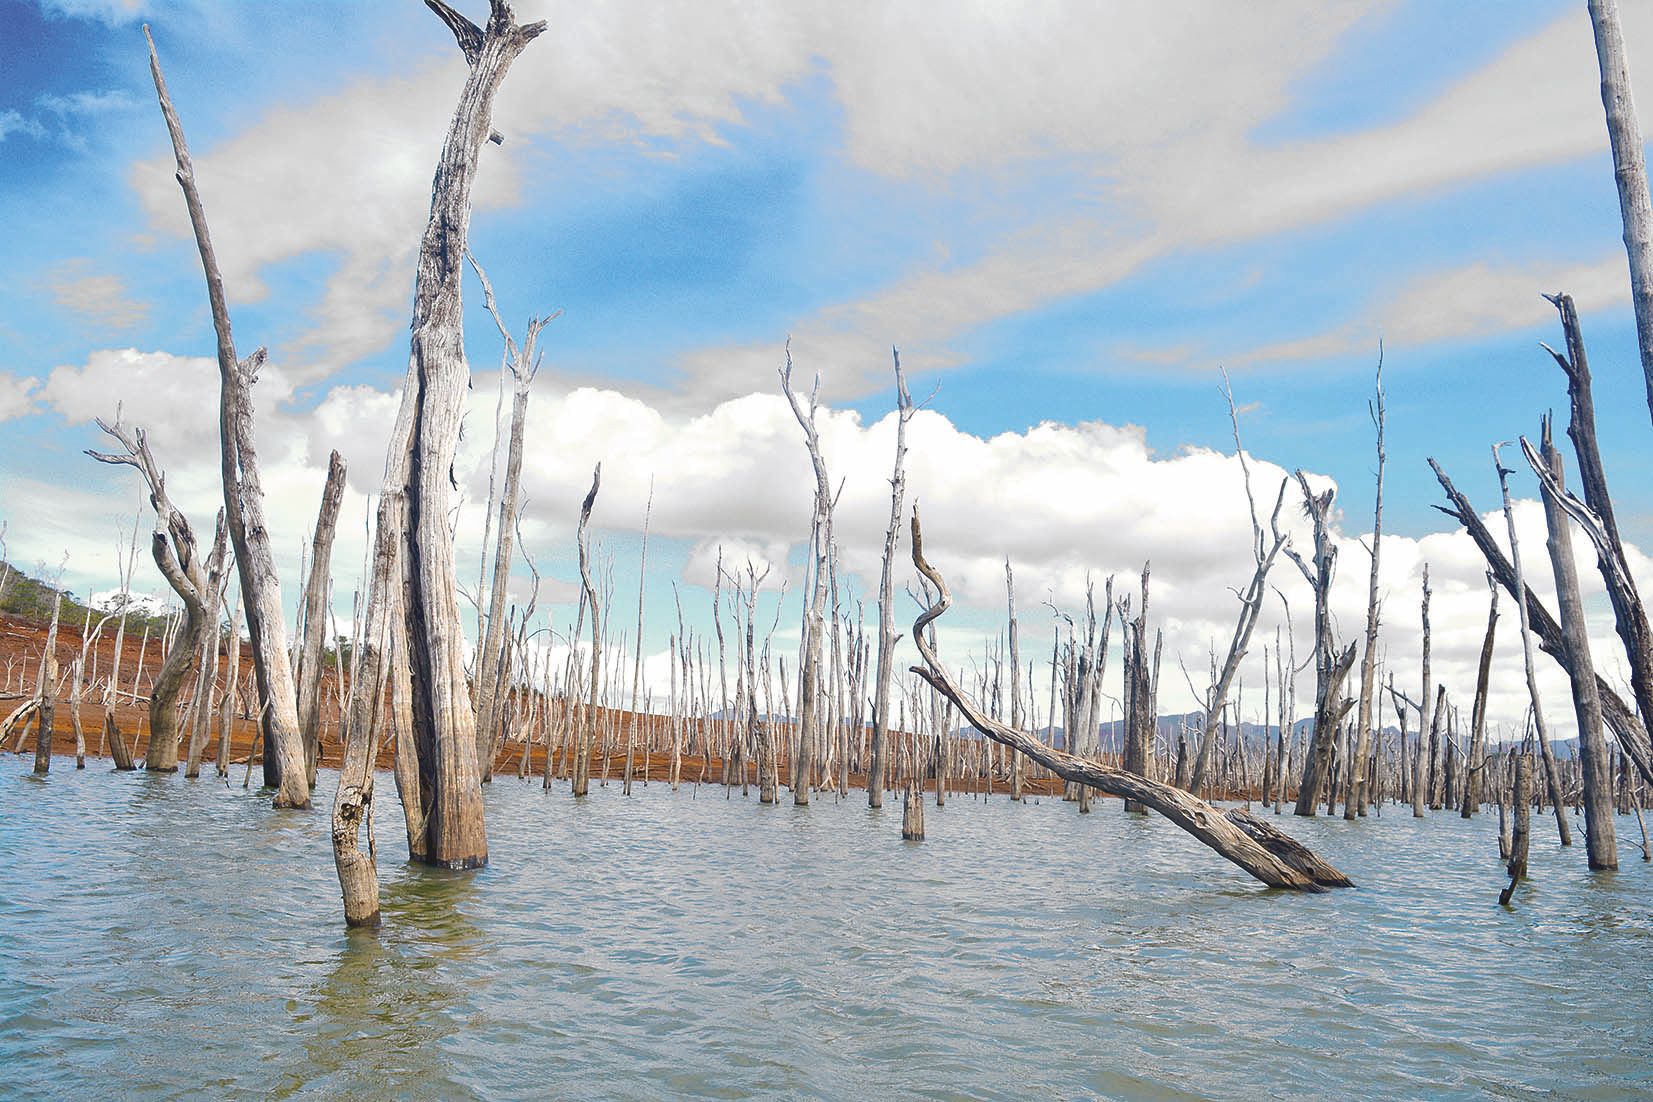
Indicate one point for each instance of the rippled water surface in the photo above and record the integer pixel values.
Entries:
(163, 938)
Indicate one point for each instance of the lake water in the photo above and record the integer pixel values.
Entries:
(164, 938)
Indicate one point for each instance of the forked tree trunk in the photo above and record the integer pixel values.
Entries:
(1360, 783)
(1330, 667)
(316, 602)
(1197, 817)
(580, 779)
(420, 459)
(244, 498)
(809, 671)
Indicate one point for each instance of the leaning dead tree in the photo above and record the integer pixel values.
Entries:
(586, 725)
(876, 753)
(1330, 665)
(1230, 838)
(313, 626)
(809, 671)
(193, 578)
(1263, 553)
(445, 815)
(244, 497)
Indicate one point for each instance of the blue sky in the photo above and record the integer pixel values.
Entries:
(1061, 213)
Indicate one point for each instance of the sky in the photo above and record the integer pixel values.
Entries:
(1069, 217)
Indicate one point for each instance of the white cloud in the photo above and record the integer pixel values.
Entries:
(17, 396)
(98, 299)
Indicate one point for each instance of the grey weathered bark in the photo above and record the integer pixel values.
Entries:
(1600, 522)
(317, 590)
(580, 779)
(244, 496)
(1139, 719)
(191, 577)
(1360, 783)
(1600, 838)
(1330, 667)
(1557, 801)
(637, 661)
(1622, 718)
(491, 674)
(809, 671)
(419, 463)
(353, 803)
(1629, 173)
(912, 812)
(232, 681)
(1420, 771)
(877, 755)
(1016, 719)
(206, 677)
(1521, 836)
(1478, 714)
(1193, 815)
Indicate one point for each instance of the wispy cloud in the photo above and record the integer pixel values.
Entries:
(98, 299)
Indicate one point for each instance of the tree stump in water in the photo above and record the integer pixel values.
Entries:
(912, 813)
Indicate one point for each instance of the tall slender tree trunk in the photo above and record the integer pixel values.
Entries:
(876, 752)
(1360, 782)
(317, 593)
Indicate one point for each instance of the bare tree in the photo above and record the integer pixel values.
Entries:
(1330, 665)
(244, 497)
(191, 577)
(1229, 837)
(1360, 783)
(581, 777)
(313, 631)
(904, 410)
(809, 670)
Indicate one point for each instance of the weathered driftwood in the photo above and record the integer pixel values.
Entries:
(1600, 838)
(317, 599)
(1288, 849)
(244, 495)
(1194, 815)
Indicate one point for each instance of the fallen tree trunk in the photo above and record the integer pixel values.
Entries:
(1194, 815)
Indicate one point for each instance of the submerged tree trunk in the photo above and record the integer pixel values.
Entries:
(877, 754)
(1197, 817)
(809, 670)
(1330, 667)
(1360, 783)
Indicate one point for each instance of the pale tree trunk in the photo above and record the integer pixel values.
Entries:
(1204, 822)
(637, 661)
(1360, 783)
(419, 463)
(877, 754)
(580, 782)
(1016, 720)
(1330, 667)
(244, 497)
(492, 677)
(232, 684)
(809, 672)
(178, 558)
(1600, 836)
(317, 593)
(353, 803)
(1557, 800)
(1420, 772)
(1139, 712)
(207, 678)
(1629, 172)
(1521, 836)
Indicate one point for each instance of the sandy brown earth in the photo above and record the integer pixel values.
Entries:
(22, 641)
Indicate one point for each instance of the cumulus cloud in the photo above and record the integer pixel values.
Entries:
(16, 395)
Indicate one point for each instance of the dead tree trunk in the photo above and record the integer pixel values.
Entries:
(1629, 173)
(1600, 837)
(1197, 817)
(580, 780)
(193, 579)
(809, 671)
(244, 497)
(1360, 783)
(316, 601)
(877, 754)
(1139, 718)
(1330, 667)
(46, 694)
(1554, 782)
(1521, 836)
(419, 462)
(1016, 720)
(491, 676)
(1619, 715)
(1478, 714)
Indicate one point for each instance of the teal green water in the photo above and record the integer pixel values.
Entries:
(164, 938)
